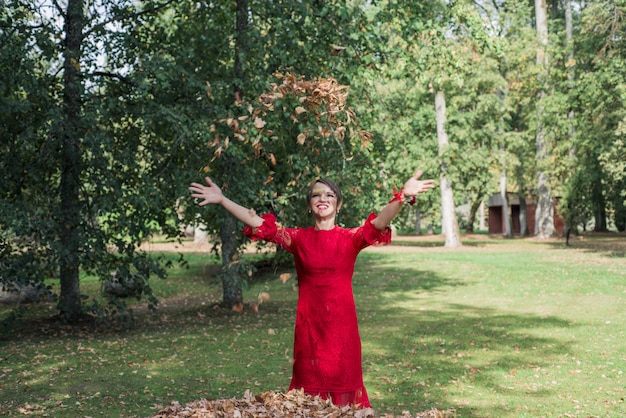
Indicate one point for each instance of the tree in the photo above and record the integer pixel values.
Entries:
(450, 227)
(271, 38)
(544, 213)
(100, 200)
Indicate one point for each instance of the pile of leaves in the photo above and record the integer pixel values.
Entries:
(293, 404)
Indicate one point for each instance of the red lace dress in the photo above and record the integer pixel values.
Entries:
(327, 345)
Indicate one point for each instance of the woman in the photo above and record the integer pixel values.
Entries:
(327, 345)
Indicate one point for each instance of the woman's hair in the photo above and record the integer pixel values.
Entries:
(331, 184)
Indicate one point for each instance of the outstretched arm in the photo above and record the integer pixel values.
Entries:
(211, 193)
(412, 187)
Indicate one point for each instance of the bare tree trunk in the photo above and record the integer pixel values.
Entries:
(569, 40)
(506, 213)
(418, 221)
(70, 135)
(449, 223)
(231, 280)
(523, 215)
(544, 220)
(471, 217)
(481, 222)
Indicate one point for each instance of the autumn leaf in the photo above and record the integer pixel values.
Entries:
(294, 403)
(285, 277)
(263, 297)
(259, 123)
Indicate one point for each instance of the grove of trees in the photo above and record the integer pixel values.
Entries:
(110, 108)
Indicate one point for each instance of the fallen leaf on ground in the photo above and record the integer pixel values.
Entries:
(294, 404)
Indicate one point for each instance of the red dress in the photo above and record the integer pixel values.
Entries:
(327, 345)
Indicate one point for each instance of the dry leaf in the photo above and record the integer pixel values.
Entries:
(263, 297)
(284, 277)
(294, 403)
(259, 123)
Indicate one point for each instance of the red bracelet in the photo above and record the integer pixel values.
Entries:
(399, 196)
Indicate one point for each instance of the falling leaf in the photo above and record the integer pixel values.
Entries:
(284, 277)
(300, 110)
(301, 138)
(263, 297)
(259, 123)
(337, 49)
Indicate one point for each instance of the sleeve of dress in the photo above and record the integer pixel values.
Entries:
(270, 231)
(368, 235)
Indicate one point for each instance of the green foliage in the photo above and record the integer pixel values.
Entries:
(157, 85)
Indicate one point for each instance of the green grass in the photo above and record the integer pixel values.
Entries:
(497, 328)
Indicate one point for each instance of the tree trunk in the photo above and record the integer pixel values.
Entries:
(418, 221)
(231, 280)
(506, 213)
(70, 136)
(449, 223)
(599, 207)
(481, 222)
(471, 216)
(523, 216)
(544, 221)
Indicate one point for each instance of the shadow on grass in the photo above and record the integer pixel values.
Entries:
(612, 244)
(434, 243)
(443, 358)
(418, 357)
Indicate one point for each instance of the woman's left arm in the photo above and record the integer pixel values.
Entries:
(412, 188)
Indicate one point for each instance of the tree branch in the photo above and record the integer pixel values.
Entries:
(128, 16)
(115, 75)
(59, 9)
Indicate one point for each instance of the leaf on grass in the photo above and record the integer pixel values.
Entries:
(294, 403)
(263, 297)
(285, 277)
(259, 123)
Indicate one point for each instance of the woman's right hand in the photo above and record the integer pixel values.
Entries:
(211, 193)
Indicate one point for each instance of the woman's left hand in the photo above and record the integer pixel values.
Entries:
(415, 186)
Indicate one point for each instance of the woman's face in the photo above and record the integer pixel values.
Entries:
(323, 202)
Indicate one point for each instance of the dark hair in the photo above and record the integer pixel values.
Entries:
(328, 182)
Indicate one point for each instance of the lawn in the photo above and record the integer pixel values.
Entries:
(497, 328)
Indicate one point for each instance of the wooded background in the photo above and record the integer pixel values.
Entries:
(110, 108)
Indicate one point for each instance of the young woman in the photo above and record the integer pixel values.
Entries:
(327, 345)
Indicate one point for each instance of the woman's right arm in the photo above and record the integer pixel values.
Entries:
(211, 193)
